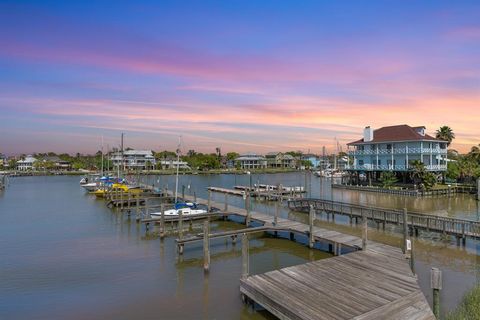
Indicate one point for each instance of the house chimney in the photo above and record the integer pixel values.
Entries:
(367, 134)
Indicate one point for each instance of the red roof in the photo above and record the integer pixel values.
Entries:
(401, 132)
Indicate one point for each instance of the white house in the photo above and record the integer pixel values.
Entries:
(134, 159)
(394, 148)
(26, 164)
(251, 161)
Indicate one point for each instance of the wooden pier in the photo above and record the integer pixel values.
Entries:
(365, 279)
(372, 284)
(460, 228)
(450, 191)
(267, 192)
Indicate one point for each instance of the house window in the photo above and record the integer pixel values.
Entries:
(360, 162)
(379, 162)
(361, 148)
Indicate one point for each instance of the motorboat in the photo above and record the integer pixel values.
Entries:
(186, 208)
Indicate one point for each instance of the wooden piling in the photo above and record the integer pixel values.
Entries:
(194, 196)
(478, 189)
(162, 221)
(209, 201)
(137, 216)
(277, 211)
(436, 285)
(180, 224)
(311, 216)
(245, 256)
(247, 208)
(225, 208)
(206, 246)
(364, 231)
(405, 230)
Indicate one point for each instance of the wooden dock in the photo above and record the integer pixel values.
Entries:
(375, 283)
(460, 228)
(266, 192)
(372, 284)
(366, 280)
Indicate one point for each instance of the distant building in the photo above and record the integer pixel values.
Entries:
(394, 148)
(172, 164)
(314, 159)
(26, 164)
(280, 160)
(134, 159)
(58, 164)
(251, 161)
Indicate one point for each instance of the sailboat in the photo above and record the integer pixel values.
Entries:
(186, 208)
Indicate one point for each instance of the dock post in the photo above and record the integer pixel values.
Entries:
(412, 258)
(364, 231)
(138, 208)
(280, 190)
(247, 208)
(226, 203)
(194, 196)
(311, 219)
(436, 284)
(478, 189)
(162, 221)
(121, 199)
(405, 230)
(147, 209)
(209, 200)
(206, 246)
(180, 230)
(245, 257)
(277, 211)
(183, 191)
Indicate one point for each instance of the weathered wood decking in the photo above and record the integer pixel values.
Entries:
(460, 228)
(372, 284)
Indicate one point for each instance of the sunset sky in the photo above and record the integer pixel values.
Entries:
(241, 75)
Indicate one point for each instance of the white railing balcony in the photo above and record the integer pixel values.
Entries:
(383, 151)
(391, 167)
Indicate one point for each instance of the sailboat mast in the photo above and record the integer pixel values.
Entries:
(178, 167)
(102, 156)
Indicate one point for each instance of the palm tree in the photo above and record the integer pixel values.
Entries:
(475, 153)
(445, 133)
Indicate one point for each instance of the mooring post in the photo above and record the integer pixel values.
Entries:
(280, 189)
(162, 221)
(183, 191)
(206, 244)
(436, 284)
(225, 208)
(247, 207)
(311, 219)
(405, 230)
(180, 224)
(245, 257)
(277, 211)
(364, 231)
(138, 207)
(209, 200)
(121, 199)
(194, 196)
(478, 189)
(147, 209)
(412, 258)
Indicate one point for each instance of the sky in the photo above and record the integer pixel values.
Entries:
(256, 76)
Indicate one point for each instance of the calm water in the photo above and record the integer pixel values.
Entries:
(65, 255)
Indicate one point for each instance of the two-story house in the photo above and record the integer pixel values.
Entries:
(134, 159)
(394, 148)
(251, 161)
(280, 160)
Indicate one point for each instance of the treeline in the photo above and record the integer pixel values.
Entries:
(464, 168)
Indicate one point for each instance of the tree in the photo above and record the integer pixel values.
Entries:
(232, 155)
(388, 179)
(445, 133)
(420, 175)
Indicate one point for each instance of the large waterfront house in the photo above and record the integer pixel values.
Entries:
(173, 163)
(394, 148)
(251, 161)
(26, 164)
(134, 159)
(280, 160)
(58, 164)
